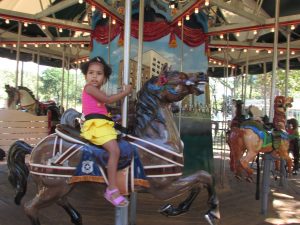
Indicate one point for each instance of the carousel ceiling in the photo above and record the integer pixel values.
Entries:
(240, 32)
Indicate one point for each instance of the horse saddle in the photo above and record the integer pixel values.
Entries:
(73, 135)
(93, 155)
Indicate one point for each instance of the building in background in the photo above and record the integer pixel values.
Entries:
(151, 66)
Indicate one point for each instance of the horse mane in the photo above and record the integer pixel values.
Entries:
(28, 90)
(147, 107)
(70, 117)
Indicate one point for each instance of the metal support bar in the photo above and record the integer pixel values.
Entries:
(121, 215)
(287, 65)
(133, 202)
(38, 74)
(283, 175)
(140, 47)
(63, 78)
(274, 67)
(266, 183)
(18, 53)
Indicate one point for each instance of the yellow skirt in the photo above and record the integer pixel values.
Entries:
(98, 131)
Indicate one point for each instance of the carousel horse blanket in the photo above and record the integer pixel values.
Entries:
(271, 138)
(92, 167)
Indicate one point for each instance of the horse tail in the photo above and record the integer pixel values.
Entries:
(18, 171)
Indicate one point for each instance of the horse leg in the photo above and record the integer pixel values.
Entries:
(193, 184)
(73, 213)
(245, 163)
(283, 153)
(45, 197)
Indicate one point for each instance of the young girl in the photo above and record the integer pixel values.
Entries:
(98, 127)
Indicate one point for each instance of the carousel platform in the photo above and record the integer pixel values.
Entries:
(237, 205)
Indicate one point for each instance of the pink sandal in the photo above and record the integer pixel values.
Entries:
(115, 201)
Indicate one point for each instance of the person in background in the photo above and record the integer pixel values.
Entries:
(292, 129)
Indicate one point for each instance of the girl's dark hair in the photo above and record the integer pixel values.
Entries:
(107, 69)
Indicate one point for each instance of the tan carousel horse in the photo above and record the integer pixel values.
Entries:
(155, 147)
(22, 98)
(250, 137)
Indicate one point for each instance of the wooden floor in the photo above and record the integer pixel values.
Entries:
(237, 205)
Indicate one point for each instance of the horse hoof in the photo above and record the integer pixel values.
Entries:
(210, 218)
(249, 179)
(238, 177)
(166, 210)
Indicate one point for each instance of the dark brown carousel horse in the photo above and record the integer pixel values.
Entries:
(26, 100)
(54, 160)
(252, 137)
(235, 124)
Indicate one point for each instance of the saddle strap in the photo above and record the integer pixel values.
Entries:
(117, 126)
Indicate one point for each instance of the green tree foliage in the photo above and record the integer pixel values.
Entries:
(293, 84)
(257, 87)
(51, 80)
(51, 86)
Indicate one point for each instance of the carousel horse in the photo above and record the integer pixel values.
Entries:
(235, 124)
(24, 97)
(253, 136)
(154, 159)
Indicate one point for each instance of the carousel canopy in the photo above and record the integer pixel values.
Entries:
(236, 32)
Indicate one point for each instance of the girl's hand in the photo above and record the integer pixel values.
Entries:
(127, 88)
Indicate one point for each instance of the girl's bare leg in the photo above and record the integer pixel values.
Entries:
(114, 154)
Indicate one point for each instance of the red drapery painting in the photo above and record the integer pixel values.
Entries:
(152, 31)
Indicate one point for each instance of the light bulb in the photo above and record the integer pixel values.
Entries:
(196, 10)
(179, 23)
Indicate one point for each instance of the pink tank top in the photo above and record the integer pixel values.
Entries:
(90, 105)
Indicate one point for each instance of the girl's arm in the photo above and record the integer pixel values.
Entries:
(102, 97)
